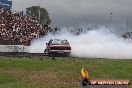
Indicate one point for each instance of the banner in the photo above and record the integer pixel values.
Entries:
(13, 48)
(6, 4)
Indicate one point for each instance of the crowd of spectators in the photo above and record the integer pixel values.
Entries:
(127, 35)
(20, 29)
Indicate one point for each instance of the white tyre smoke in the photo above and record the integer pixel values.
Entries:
(98, 43)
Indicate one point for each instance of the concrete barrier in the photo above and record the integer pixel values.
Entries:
(13, 48)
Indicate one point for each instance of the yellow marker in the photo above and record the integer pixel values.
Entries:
(84, 73)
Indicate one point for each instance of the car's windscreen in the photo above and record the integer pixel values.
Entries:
(57, 41)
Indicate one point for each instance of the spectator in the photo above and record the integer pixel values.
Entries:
(17, 28)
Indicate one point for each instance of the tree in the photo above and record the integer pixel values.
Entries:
(39, 12)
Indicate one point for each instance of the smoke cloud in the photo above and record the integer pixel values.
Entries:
(96, 43)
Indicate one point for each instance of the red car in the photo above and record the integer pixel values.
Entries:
(57, 47)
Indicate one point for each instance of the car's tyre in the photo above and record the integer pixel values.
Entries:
(45, 52)
(51, 54)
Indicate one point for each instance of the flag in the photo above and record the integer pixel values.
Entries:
(6, 4)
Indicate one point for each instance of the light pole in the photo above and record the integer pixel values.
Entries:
(127, 24)
(39, 10)
(111, 17)
(110, 21)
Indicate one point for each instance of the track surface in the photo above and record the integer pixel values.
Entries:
(22, 54)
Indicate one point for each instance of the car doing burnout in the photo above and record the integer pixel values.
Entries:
(58, 47)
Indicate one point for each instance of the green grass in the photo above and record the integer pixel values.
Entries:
(60, 73)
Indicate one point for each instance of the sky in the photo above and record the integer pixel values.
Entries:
(78, 12)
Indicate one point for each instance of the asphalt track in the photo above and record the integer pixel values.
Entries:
(22, 54)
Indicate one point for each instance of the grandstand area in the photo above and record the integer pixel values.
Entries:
(20, 29)
(17, 30)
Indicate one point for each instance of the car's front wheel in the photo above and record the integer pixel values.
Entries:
(45, 52)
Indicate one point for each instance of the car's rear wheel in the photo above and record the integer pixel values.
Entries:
(51, 54)
(68, 54)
